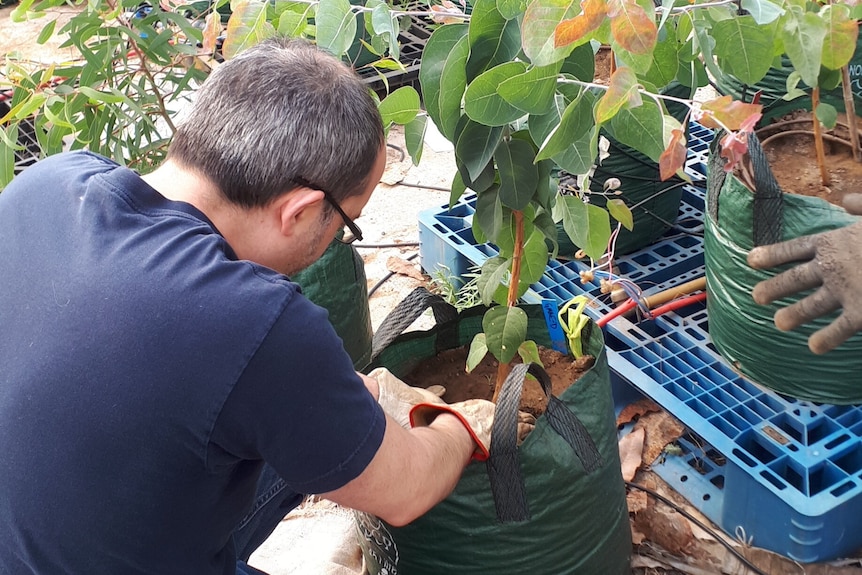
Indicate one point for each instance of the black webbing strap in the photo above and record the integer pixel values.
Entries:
(406, 312)
(768, 197)
(504, 468)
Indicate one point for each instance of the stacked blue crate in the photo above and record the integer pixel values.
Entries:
(784, 472)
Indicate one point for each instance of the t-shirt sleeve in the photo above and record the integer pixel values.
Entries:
(300, 406)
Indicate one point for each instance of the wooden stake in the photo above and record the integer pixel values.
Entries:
(850, 109)
(825, 180)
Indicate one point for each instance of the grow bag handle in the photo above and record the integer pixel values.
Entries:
(504, 469)
(767, 215)
(405, 313)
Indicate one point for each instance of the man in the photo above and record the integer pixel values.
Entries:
(155, 356)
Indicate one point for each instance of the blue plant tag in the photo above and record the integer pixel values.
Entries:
(558, 338)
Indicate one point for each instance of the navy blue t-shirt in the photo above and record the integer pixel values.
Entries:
(145, 376)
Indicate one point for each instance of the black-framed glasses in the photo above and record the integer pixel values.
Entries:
(353, 233)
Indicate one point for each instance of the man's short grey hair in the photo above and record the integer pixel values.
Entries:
(280, 114)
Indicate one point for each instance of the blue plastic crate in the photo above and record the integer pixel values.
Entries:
(792, 477)
(784, 472)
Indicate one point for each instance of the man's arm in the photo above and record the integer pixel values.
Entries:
(413, 470)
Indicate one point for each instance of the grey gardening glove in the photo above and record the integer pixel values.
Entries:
(831, 261)
(397, 398)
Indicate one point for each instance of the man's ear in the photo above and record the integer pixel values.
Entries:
(298, 209)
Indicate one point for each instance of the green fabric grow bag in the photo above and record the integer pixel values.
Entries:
(774, 86)
(337, 282)
(743, 331)
(578, 521)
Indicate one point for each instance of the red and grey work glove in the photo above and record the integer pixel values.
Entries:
(477, 415)
(397, 398)
(832, 262)
(416, 407)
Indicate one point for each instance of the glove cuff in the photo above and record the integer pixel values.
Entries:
(422, 414)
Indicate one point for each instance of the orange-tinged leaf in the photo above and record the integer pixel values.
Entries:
(632, 27)
(725, 112)
(212, 29)
(592, 15)
(673, 157)
(622, 92)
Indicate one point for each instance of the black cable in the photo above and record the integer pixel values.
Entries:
(401, 245)
(739, 556)
(421, 186)
(386, 277)
(397, 149)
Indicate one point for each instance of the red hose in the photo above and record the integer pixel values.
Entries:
(675, 304)
(672, 305)
(616, 312)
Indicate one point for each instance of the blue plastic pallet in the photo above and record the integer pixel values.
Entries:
(783, 472)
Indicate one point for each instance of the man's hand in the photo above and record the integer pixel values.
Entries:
(477, 415)
(397, 398)
(831, 261)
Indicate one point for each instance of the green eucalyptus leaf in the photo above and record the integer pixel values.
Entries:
(529, 352)
(489, 214)
(456, 190)
(9, 135)
(533, 91)
(744, 47)
(475, 145)
(483, 104)
(581, 155)
(621, 213)
(414, 137)
(494, 40)
(335, 23)
(537, 30)
(547, 188)
(519, 176)
(505, 330)
(792, 87)
(478, 351)
(546, 224)
(827, 114)
(511, 8)
(588, 226)
(803, 41)
(641, 128)
(665, 62)
(483, 182)
(841, 35)
(47, 32)
(490, 282)
(575, 121)
(437, 52)
(400, 106)
(581, 63)
(763, 11)
(534, 261)
(246, 27)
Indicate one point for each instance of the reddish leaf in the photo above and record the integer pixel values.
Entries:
(724, 112)
(592, 15)
(673, 158)
(632, 27)
(212, 29)
(622, 92)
